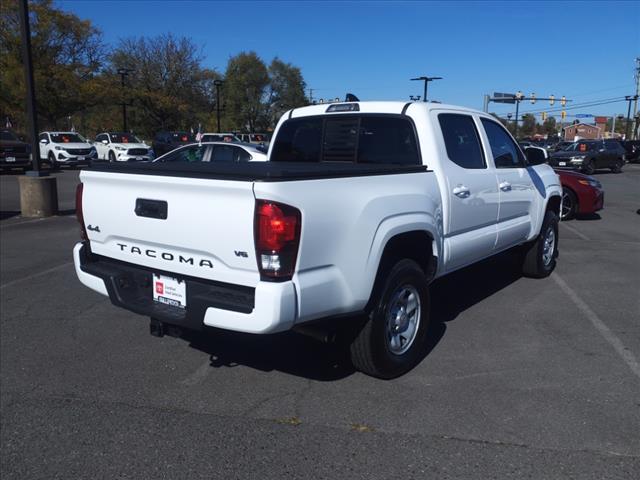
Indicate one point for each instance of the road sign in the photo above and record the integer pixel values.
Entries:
(499, 97)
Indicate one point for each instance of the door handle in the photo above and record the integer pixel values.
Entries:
(505, 186)
(461, 191)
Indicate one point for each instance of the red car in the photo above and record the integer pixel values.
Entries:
(580, 194)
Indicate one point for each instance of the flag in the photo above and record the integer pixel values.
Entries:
(191, 130)
(199, 134)
(73, 128)
(8, 123)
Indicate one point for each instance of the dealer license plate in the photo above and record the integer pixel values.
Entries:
(139, 159)
(562, 164)
(170, 291)
(80, 159)
(11, 159)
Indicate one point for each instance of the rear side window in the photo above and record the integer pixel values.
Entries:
(506, 154)
(379, 139)
(461, 140)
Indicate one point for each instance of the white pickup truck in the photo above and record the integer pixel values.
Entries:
(360, 206)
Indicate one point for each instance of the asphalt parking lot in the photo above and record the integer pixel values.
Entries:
(523, 379)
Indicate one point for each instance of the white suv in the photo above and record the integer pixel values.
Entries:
(65, 148)
(122, 147)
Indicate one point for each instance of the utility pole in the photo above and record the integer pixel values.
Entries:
(635, 103)
(218, 83)
(426, 81)
(629, 99)
(124, 72)
(311, 96)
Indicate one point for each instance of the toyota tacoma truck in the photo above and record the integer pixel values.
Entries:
(360, 206)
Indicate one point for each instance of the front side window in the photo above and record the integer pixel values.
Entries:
(229, 154)
(378, 139)
(461, 140)
(506, 154)
(190, 154)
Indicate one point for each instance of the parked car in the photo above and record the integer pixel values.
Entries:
(256, 138)
(220, 137)
(632, 149)
(581, 194)
(560, 146)
(219, 152)
(122, 147)
(360, 206)
(166, 141)
(66, 148)
(588, 156)
(14, 153)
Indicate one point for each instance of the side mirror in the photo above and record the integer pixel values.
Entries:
(105, 142)
(535, 156)
(44, 141)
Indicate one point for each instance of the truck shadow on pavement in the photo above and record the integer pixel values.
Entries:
(306, 357)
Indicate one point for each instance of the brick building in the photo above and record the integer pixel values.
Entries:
(581, 130)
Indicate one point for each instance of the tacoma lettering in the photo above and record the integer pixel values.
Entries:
(169, 257)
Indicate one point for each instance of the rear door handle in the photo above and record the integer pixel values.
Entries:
(461, 191)
(505, 186)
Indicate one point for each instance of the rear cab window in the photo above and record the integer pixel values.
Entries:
(461, 140)
(361, 138)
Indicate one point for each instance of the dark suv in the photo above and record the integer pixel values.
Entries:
(164, 142)
(589, 156)
(633, 150)
(13, 152)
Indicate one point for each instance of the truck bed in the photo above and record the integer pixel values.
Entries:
(258, 171)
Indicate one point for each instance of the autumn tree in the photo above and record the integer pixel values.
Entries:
(67, 56)
(286, 89)
(246, 82)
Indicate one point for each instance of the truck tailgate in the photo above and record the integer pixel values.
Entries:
(207, 232)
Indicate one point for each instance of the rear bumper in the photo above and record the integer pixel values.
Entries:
(267, 308)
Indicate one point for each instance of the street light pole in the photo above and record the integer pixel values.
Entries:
(629, 99)
(124, 72)
(218, 84)
(25, 30)
(426, 81)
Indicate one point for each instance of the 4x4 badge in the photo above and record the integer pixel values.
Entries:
(93, 229)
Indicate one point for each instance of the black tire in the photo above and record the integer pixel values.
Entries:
(587, 167)
(539, 262)
(569, 204)
(51, 160)
(371, 351)
(617, 166)
(112, 156)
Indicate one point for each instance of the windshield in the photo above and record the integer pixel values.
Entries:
(579, 147)
(123, 138)
(67, 138)
(6, 135)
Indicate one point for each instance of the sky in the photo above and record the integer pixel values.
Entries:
(585, 51)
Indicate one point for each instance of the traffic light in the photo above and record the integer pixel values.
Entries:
(533, 98)
(563, 101)
(544, 116)
(563, 114)
(552, 100)
(519, 95)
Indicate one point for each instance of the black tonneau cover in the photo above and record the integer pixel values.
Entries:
(258, 171)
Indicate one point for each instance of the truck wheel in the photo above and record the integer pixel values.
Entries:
(393, 338)
(569, 204)
(540, 258)
(617, 167)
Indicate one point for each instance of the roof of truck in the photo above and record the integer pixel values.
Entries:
(376, 107)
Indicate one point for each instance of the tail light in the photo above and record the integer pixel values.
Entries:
(79, 216)
(277, 237)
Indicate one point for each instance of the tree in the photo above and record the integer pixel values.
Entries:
(286, 89)
(168, 89)
(246, 81)
(528, 126)
(549, 126)
(67, 54)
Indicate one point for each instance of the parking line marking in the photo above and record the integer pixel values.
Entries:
(196, 377)
(628, 357)
(35, 275)
(577, 232)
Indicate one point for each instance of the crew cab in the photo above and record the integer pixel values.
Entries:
(65, 148)
(122, 147)
(359, 207)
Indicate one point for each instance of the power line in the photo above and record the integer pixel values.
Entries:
(592, 103)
